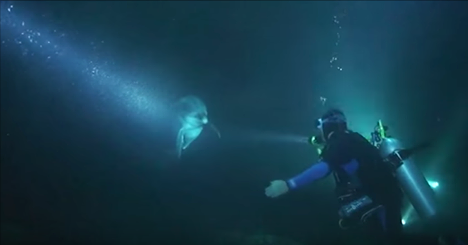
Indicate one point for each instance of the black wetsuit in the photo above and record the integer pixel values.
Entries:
(371, 177)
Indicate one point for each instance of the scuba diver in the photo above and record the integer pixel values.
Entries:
(368, 193)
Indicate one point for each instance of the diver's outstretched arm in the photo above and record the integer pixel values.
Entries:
(281, 187)
(216, 130)
(317, 171)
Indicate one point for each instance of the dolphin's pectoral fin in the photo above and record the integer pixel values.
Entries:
(190, 135)
(180, 142)
(215, 129)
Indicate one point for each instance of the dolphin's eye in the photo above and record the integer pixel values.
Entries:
(201, 115)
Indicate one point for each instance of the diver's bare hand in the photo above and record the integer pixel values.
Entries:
(276, 188)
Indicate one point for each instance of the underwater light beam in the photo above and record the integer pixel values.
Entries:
(259, 136)
(49, 46)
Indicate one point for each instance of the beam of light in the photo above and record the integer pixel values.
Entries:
(270, 137)
(408, 215)
(446, 146)
(50, 48)
(347, 87)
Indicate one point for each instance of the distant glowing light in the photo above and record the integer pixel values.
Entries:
(433, 184)
(403, 222)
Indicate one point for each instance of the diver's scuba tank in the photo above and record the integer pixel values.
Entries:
(411, 179)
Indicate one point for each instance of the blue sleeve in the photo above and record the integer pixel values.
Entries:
(317, 171)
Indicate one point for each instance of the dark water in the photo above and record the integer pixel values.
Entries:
(87, 132)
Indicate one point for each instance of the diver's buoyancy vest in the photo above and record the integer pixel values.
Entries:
(347, 185)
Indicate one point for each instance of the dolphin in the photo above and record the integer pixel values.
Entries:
(193, 117)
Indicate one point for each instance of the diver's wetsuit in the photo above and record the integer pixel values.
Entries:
(359, 172)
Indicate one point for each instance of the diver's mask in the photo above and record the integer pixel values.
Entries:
(319, 123)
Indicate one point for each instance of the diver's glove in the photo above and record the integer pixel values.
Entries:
(276, 188)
